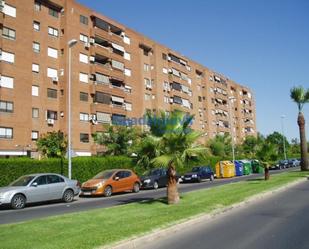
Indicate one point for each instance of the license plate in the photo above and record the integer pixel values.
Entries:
(87, 193)
(187, 179)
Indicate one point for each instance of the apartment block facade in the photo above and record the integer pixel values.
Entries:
(117, 74)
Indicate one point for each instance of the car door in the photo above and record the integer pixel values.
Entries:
(118, 183)
(128, 180)
(207, 173)
(56, 186)
(163, 178)
(38, 190)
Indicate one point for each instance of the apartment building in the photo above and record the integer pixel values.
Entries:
(117, 74)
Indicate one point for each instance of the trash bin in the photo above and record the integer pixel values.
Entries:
(225, 169)
(238, 168)
(247, 169)
(257, 167)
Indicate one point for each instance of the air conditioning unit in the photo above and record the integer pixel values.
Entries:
(50, 121)
(91, 41)
(87, 45)
(171, 100)
(55, 79)
(92, 59)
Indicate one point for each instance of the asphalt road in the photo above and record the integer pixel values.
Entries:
(281, 221)
(8, 215)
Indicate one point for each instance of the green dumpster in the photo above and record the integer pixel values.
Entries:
(257, 167)
(247, 169)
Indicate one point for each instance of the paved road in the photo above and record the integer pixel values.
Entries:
(281, 221)
(82, 204)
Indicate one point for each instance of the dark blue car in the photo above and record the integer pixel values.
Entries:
(198, 174)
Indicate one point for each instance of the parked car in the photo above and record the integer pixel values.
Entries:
(154, 178)
(39, 188)
(282, 164)
(294, 162)
(111, 181)
(198, 174)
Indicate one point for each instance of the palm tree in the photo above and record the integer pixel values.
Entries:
(177, 144)
(301, 96)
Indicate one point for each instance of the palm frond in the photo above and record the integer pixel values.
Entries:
(297, 94)
(163, 161)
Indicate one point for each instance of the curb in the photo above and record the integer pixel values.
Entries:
(135, 242)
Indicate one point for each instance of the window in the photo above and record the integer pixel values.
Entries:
(36, 47)
(35, 91)
(83, 96)
(166, 99)
(8, 33)
(35, 112)
(127, 72)
(147, 96)
(53, 32)
(103, 117)
(83, 38)
(147, 83)
(128, 106)
(9, 10)
(101, 78)
(35, 68)
(53, 12)
(83, 77)
(7, 57)
(102, 98)
(7, 82)
(6, 133)
(83, 58)
(51, 52)
(126, 40)
(36, 26)
(37, 6)
(51, 179)
(117, 65)
(146, 67)
(42, 180)
(6, 106)
(83, 19)
(84, 137)
(34, 135)
(164, 56)
(84, 117)
(51, 93)
(51, 115)
(52, 73)
(127, 56)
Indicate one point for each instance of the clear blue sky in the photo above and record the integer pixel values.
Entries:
(263, 44)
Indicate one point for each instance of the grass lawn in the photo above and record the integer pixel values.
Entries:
(103, 226)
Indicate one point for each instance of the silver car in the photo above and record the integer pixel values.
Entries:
(39, 188)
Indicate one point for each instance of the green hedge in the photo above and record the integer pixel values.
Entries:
(83, 168)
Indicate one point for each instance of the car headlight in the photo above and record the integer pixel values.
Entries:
(2, 195)
(147, 181)
(194, 176)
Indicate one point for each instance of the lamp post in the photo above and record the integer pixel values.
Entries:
(231, 99)
(283, 138)
(71, 43)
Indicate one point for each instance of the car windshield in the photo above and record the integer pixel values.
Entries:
(104, 174)
(153, 172)
(196, 169)
(22, 181)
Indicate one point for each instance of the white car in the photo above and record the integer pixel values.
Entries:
(39, 188)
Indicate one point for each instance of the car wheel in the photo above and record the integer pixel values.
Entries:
(212, 178)
(108, 191)
(18, 201)
(280, 167)
(136, 187)
(155, 185)
(68, 196)
(199, 179)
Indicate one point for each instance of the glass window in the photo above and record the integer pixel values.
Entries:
(36, 47)
(51, 93)
(6, 133)
(53, 32)
(37, 6)
(7, 82)
(51, 179)
(35, 68)
(53, 12)
(36, 26)
(83, 77)
(9, 10)
(6, 106)
(83, 96)
(41, 180)
(83, 19)
(22, 181)
(35, 112)
(35, 91)
(84, 117)
(7, 57)
(34, 135)
(83, 38)
(83, 58)
(52, 115)
(8, 33)
(84, 137)
(51, 52)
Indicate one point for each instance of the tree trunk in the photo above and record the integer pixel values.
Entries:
(303, 142)
(267, 175)
(172, 191)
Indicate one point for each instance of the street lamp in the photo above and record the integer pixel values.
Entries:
(283, 138)
(71, 43)
(231, 99)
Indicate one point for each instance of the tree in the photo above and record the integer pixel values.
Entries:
(221, 145)
(278, 140)
(118, 140)
(301, 96)
(53, 144)
(176, 145)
